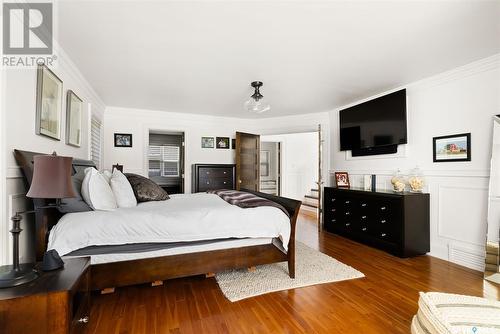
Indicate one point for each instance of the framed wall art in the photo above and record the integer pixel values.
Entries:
(74, 111)
(49, 90)
(123, 140)
(207, 142)
(452, 148)
(222, 142)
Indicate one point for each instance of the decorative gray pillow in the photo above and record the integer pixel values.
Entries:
(75, 204)
(146, 190)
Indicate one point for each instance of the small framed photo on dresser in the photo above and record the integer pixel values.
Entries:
(342, 180)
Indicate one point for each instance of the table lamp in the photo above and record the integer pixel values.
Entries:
(51, 180)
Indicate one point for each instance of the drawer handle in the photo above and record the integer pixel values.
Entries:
(363, 205)
(383, 208)
(333, 210)
(333, 199)
(225, 172)
(208, 182)
(334, 220)
(363, 229)
(348, 224)
(347, 202)
(383, 234)
(347, 213)
(225, 182)
(363, 217)
(383, 221)
(84, 320)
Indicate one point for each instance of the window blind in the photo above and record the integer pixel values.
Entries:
(164, 160)
(95, 141)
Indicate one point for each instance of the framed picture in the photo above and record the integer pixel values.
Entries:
(207, 142)
(49, 91)
(452, 148)
(222, 142)
(123, 140)
(74, 108)
(342, 179)
(233, 144)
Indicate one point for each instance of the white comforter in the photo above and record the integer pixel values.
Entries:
(187, 217)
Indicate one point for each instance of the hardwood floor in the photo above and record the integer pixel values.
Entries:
(382, 302)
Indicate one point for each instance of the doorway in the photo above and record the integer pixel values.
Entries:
(289, 168)
(166, 160)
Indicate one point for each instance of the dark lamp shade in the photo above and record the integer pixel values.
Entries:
(51, 177)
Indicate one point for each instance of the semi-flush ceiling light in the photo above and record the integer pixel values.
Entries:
(256, 103)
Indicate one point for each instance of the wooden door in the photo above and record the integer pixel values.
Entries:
(247, 161)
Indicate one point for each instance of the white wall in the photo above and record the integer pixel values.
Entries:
(461, 100)
(299, 162)
(19, 103)
(139, 122)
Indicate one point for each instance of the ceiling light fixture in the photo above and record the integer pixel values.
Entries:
(256, 103)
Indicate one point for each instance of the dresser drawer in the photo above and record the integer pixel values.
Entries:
(211, 184)
(210, 172)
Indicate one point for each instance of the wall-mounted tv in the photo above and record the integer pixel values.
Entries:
(373, 127)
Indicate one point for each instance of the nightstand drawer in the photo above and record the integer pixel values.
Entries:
(80, 304)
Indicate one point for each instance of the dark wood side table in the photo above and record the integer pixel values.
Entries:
(57, 302)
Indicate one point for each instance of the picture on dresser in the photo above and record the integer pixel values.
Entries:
(123, 140)
(74, 106)
(452, 148)
(49, 93)
(342, 179)
(207, 142)
(222, 142)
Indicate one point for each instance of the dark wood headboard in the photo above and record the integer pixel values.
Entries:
(45, 219)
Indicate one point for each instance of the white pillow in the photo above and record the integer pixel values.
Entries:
(124, 194)
(96, 191)
(107, 175)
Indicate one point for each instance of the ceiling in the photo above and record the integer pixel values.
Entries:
(200, 57)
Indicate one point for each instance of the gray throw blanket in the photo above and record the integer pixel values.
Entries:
(245, 200)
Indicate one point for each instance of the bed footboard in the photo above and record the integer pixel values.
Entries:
(292, 206)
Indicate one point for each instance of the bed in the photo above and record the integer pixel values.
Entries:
(187, 235)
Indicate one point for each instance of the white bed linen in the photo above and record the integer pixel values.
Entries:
(189, 217)
(184, 249)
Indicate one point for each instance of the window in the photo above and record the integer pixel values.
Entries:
(95, 141)
(164, 160)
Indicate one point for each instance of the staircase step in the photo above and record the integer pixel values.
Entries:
(310, 205)
(314, 190)
(311, 196)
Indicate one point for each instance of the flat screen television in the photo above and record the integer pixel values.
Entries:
(377, 126)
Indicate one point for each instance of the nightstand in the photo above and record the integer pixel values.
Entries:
(57, 302)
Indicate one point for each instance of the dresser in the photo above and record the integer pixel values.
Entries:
(213, 176)
(57, 302)
(395, 222)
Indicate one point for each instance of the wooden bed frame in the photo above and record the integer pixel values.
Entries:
(116, 274)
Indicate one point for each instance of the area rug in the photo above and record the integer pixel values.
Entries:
(311, 267)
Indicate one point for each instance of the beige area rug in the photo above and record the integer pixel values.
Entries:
(312, 267)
